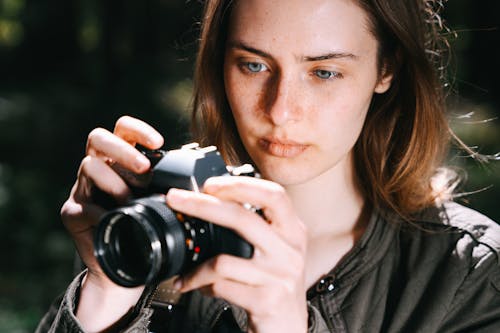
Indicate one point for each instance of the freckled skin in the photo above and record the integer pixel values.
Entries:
(299, 76)
(286, 100)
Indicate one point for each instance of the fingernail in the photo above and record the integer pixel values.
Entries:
(178, 283)
(211, 185)
(141, 162)
(174, 196)
(155, 140)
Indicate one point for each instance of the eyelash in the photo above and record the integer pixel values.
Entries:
(318, 72)
(331, 74)
(246, 67)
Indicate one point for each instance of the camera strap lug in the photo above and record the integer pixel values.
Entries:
(164, 302)
(165, 294)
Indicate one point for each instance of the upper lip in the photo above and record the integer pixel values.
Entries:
(282, 141)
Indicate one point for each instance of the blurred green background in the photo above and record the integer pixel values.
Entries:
(68, 66)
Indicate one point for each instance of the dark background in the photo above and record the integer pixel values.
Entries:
(68, 66)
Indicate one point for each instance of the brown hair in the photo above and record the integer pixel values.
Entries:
(405, 135)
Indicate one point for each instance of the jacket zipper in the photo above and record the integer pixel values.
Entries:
(326, 285)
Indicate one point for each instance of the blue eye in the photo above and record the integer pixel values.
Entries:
(255, 67)
(325, 75)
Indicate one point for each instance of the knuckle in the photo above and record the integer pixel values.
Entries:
(288, 285)
(276, 192)
(86, 165)
(86, 160)
(70, 210)
(219, 264)
(93, 136)
(223, 265)
(66, 210)
(96, 132)
(123, 121)
(216, 288)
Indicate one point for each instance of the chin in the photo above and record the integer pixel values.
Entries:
(290, 171)
(288, 176)
(302, 172)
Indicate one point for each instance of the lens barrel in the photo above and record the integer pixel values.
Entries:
(145, 242)
(138, 243)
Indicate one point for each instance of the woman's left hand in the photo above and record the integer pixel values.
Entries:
(271, 285)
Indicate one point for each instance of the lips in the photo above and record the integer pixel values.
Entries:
(281, 148)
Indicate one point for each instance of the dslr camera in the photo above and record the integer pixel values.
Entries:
(144, 241)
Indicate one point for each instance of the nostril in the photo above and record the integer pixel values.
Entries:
(280, 116)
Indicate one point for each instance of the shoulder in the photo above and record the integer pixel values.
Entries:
(458, 239)
(452, 233)
(475, 303)
(453, 254)
(481, 229)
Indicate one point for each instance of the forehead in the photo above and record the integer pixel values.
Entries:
(302, 25)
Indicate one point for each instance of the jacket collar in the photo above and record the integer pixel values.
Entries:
(366, 253)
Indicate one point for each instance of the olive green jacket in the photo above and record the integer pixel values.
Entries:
(439, 274)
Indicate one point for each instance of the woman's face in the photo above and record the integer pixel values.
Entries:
(299, 77)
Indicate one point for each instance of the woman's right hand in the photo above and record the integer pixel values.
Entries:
(80, 214)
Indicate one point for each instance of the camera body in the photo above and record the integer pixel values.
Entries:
(145, 241)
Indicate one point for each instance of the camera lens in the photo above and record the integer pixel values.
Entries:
(141, 242)
(129, 250)
(130, 246)
(145, 242)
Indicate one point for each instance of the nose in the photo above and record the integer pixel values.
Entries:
(281, 104)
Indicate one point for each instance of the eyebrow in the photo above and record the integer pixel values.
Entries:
(243, 46)
(331, 55)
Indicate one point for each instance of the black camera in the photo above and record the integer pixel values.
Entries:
(144, 241)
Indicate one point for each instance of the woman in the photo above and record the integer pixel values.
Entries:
(339, 106)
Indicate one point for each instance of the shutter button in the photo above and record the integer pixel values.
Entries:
(326, 284)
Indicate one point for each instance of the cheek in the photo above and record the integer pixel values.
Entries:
(240, 106)
(342, 120)
(244, 100)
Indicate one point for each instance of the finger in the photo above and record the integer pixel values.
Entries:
(245, 296)
(135, 131)
(269, 247)
(223, 267)
(78, 217)
(270, 197)
(104, 144)
(95, 172)
(227, 214)
(235, 293)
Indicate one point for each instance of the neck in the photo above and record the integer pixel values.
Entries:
(330, 204)
(332, 207)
